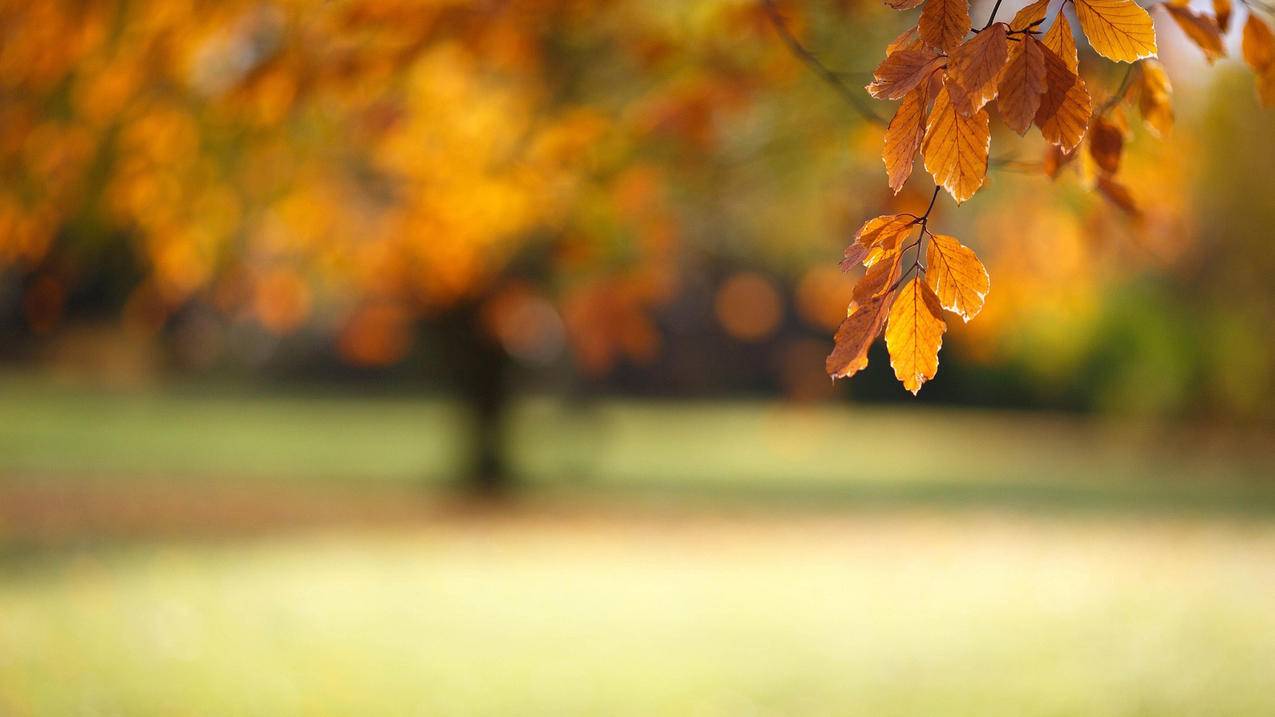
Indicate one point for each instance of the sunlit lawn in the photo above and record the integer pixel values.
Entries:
(726, 559)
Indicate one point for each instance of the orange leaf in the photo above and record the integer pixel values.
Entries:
(878, 279)
(1065, 107)
(1021, 85)
(1118, 30)
(975, 65)
(1259, 53)
(903, 138)
(1222, 11)
(909, 39)
(1106, 142)
(1055, 159)
(901, 72)
(1061, 40)
(855, 336)
(1155, 98)
(958, 278)
(955, 147)
(914, 334)
(944, 23)
(1201, 29)
(1033, 14)
(878, 237)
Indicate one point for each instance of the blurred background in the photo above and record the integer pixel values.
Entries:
(455, 357)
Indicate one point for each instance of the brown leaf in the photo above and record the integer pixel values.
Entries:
(1222, 12)
(1106, 142)
(903, 138)
(1061, 40)
(855, 336)
(1119, 195)
(914, 334)
(1259, 53)
(902, 71)
(958, 278)
(1155, 98)
(1033, 14)
(1119, 30)
(955, 147)
(1065, 107)
(1201, 29)
(877, 237)
(1021, 85)
(944, 23)
(975, 65)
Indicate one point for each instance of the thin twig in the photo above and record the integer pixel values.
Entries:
(1120, 91)
(992, 18)
(799, 51)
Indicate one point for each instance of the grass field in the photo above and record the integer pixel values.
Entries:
(707, 559)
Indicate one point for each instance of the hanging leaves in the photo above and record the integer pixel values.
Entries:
(855, 336)
(957, 277)
(1201, 29)
(1155, 98)
(877, 238)
(878, 279)
(902, 71)
(903, 138)
(1063, 43)
(1118, 30)
(1021, 85)
(944, 23)
(1106, 142)
(1259, 53)
(956, 147)
(1033, 14)
(914, 334)
(1222, 12)
(974, 66)
(1065, 107)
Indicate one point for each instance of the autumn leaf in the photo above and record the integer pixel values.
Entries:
(958, 278)
(1106, 142)
(1259, 53)
(914, 334)
(1061, 40)
(956, 147)
(1021, 85)
(902, 71)
(909, 39)
(903, 138)
(1222, 12)
(1033, 14)
(1065, 107)
(1201, 29)
(855, 336)
(1119, 195)
(944, 23)
(1155, 98)
(1118, 30)
(974, 66)
(877, 237)
(879, 278)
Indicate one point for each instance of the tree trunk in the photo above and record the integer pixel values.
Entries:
(481, 370)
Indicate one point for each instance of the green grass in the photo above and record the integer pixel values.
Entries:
(671, 558)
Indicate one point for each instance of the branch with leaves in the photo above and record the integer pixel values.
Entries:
(944, 73)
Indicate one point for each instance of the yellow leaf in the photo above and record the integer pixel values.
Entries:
(1065, 107)
(855, 336)
(956, 275)
(878, 237)
(1033, 14)
(944, 23)
(955, 147)
(901, 72)
(1061, 40)
(1155, 98)
(914, 334)
(1106, 142)
(975, 65)
(1021, 85)
(1202, 30)
(1118, 30)
(903, 138)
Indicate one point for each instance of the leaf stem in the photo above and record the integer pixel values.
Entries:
(995, 9)
(809, 60)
